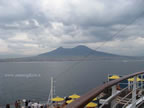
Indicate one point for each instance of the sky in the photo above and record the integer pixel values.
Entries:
(31, 27)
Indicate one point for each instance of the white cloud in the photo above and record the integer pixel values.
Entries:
(20, 37)
(3, 46)
(130, 47)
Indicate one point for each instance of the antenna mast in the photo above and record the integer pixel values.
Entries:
(52, 91)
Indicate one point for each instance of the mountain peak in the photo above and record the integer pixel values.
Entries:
(60, 47)
(80, 50)
(82, 46)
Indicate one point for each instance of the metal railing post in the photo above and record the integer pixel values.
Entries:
(134, 92)
(114, 90)
(142, 81)
(129, 85)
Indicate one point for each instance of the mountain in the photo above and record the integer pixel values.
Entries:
(76, 51)
(72, 54)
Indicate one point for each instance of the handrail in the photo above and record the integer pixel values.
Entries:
(126, 97)
(88, 97)
(131, 98)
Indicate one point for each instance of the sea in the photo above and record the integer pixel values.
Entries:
(31, 80)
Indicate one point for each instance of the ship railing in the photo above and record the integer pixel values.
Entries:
(89, 96)
(125, 97)
(116, 95)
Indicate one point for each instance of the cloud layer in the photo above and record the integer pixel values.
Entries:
(34, 26)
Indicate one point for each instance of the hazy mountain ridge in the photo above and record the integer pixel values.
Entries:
(78, 53)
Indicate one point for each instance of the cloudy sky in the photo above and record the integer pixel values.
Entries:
(29, 27)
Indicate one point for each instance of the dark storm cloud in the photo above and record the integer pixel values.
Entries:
(108, 13)
(69, 22)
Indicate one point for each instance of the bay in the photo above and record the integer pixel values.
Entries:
(31, 80)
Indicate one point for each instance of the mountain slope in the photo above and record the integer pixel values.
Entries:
(72, 54)
(76, 51)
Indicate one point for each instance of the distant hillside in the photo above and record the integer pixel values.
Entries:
(76, 51)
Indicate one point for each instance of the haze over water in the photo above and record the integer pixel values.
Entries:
(32, 80)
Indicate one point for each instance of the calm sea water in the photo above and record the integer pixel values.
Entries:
(32, 80)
